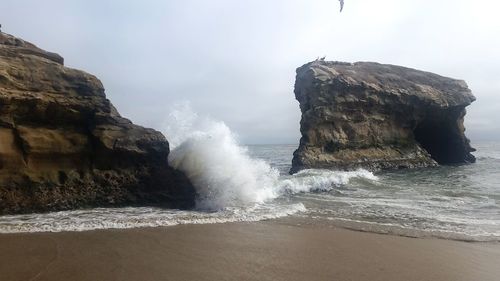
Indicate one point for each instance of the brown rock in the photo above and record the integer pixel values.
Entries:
(375, 116)
(63, 145)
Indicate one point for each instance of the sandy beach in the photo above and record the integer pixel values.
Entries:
(242, 251)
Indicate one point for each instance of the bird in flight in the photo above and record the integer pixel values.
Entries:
(341, 5)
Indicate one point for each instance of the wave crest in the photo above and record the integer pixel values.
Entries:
(224, 174)
(221, 170)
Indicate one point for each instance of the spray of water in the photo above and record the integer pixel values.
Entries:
(227, 180)
(221, 170)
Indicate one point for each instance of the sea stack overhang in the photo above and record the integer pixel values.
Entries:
(378, 116)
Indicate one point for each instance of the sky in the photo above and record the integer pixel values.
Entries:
(235, 60)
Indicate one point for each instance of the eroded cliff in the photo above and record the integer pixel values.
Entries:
(376, 116)
(63, 145)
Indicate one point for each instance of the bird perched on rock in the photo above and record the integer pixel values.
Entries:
(341, 5)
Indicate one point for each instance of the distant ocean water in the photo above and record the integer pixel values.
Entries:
(251, 183)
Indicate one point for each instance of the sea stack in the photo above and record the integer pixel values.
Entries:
(64, 146)
(378, 116)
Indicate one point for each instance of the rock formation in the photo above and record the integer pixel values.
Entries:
(63, 145)
(378, 116)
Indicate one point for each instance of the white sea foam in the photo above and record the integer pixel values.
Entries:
(221, 170)
(227, 180)
(134, 217)
(321, 180)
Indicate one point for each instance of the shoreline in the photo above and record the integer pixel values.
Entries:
(267, 250)
(291, 220)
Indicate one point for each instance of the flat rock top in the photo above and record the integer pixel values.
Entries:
(390, 79)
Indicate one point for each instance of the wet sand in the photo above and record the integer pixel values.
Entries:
(242, 251)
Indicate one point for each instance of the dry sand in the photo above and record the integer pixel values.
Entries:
(242, 251)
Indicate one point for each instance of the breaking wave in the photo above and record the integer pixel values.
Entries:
(231, 185)
(221, 170)
(321, 180)
(224, 174)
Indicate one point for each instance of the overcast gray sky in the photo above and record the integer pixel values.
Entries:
(235, 60)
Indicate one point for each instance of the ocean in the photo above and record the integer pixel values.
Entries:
(238, 183)
(454, 202)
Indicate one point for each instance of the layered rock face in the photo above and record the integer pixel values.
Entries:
(63, 145)
(375, 116)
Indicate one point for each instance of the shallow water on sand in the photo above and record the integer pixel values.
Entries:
(456, 202)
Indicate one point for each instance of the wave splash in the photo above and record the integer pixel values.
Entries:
(227, 180)
(223, 172)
